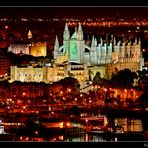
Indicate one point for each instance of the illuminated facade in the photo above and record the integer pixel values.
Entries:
(19, 48)
(34, 49)
(111, 54)
(38, 49)
(76, 59)
(48, 74)
(33, 74)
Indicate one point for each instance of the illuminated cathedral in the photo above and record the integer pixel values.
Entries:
(109, 54)
(75, 58)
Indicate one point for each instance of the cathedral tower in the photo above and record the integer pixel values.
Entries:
(56, 48)
(66, 37)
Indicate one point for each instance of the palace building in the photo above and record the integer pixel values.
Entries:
(35, 49)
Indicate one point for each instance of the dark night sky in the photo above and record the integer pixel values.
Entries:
(119, 12)
(75, 2)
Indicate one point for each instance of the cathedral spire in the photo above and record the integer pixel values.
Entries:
(101, 41)
(80, 27)
(66, 27)
(94, 42)
(56, 47)
(56, 42)
(74, 36)
(66, 34)
(114, 41)
(80, 32)
(112, 38)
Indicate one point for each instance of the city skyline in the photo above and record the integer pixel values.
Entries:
(73, 73)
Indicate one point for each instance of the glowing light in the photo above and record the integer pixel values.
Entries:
(6, 27)
(23, 93)
(61, 124)
(61, 137)
(105, 89)
(69, 90)
(21, 138)
(143, 50)
(86, 137)
(116, 139)
(36, 132)
(49, 108)
(90, 101)
(68, 124)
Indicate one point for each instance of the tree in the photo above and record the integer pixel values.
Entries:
(124, 78)
(97, 78)
(100, 81)
(143, 100)
(70, 82)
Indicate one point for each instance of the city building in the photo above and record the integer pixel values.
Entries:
(19, 48)
(38, 49)
(35, 49)
(47, 73)
(5, 64)
(33, 74)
